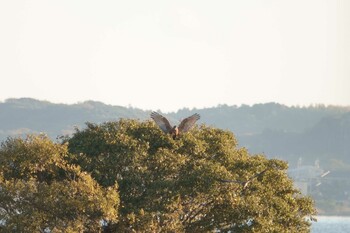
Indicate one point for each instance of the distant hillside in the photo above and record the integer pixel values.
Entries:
(21, 116)
(313, 132)
(316, 132)
(309, 134)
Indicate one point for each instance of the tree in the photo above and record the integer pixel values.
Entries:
(41, 192)
(198, 183)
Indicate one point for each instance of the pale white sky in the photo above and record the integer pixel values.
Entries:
(172, 54)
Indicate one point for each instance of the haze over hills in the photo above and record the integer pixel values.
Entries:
(314, 132)
(315, 135)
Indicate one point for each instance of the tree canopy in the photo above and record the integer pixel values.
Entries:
(128, 176)
(41, 192)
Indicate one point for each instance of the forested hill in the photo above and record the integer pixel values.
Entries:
(22, 116)
(315, 132)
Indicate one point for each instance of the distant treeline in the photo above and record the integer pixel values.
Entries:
(313, 132)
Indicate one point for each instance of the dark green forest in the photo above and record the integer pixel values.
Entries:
(300, 135)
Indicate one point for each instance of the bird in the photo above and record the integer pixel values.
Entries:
(185, 125)
(243, 183)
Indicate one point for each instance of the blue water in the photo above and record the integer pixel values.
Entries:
(331, 224)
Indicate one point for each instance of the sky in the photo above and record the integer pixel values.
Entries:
(167, 55)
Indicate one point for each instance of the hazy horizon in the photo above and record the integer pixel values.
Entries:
(172, 55)
(181, 108)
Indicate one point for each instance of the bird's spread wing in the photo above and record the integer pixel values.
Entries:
(187, 123)
(161, 121)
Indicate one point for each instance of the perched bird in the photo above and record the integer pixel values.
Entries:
(185, 125)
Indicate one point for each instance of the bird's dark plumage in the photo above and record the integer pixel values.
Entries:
(185, 125)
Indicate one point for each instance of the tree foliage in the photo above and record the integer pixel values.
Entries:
(201, 182)
(41, 192)
(128, 176)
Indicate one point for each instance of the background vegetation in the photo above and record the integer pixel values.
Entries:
(127, 176)
(308, 134)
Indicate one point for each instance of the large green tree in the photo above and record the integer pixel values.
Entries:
(201, 182)
(41, 192)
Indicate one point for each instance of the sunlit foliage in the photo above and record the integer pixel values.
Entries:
(41, 192)
(198, 183)
(128, 176)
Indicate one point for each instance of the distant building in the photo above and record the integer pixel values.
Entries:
(307, 177)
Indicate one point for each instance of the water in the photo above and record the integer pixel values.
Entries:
(331, 224)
